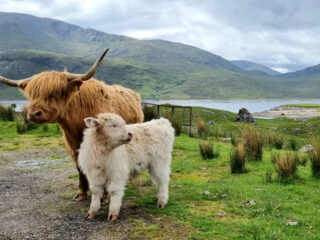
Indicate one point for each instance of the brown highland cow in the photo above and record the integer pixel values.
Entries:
(66, 99)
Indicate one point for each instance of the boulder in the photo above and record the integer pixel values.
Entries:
(306, 148)
(245, 116)
(211, 123)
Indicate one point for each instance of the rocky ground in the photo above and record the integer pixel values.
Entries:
(289, 112)
(36, 188)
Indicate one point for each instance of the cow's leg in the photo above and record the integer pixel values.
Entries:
(83, 187)
(116, 191)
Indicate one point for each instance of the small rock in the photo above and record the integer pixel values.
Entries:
(291, 222)
(221, 214)
(211, 123)
(206, 193)
(226, 139)
(306, 148)
(274, 128)
(297, 129)
(203, 168)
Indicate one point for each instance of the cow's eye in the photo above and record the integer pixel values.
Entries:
(114, 125)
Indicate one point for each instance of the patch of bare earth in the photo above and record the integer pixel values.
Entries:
(35, 203)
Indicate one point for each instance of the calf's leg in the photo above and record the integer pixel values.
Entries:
(160, 174)
(97, 192)
(116, 192)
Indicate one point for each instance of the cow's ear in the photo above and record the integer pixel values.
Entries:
(23, 85)
(75, 85)
(91, 122)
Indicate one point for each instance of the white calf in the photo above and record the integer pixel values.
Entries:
(112, 152)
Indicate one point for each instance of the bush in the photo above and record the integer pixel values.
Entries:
(286, 165)
(202, 128)
(207, 151)
(252, 142)
(237, 159)
(235, 139)
(302, 159)
(23, 124)
(315, 157)
(149, 113)
(21, 127)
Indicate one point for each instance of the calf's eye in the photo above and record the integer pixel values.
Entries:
(114, 125)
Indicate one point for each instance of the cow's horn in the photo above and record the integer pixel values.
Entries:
(91, 71)
(12, 83)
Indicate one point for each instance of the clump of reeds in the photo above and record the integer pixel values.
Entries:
(176, 122)
(23, 124)
(293, 144)
(286, 165)
(237, 159)
(274, 140)
(315, 157)
(207, 150)
(253, 142)
(7, 113)
(202, 128)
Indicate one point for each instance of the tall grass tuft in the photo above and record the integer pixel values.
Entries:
(274, 140)
(286, 165)
(149, 113)
(23, 124)
(315, 157)
(202, 128)
(293, 144)
(7, 113)
(207, 151)
(237, 159)
(176, 122)
(252, 142)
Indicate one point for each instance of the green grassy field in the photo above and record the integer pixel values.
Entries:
(205, 198)
(306, 105)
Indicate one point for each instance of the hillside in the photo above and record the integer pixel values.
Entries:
(251, 66)
(155, 68)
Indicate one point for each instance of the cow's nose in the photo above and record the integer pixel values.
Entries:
(130, 135)
(35, 115)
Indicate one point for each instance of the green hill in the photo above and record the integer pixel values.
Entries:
(251, 66)
(155, 68)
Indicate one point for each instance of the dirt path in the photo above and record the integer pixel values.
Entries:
(35, 203)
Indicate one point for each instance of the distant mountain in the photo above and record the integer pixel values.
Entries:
(307, 72)
(154, 68)
(251, 66)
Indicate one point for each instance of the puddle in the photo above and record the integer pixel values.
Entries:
(39, 163)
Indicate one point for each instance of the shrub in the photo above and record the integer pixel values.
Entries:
(315, 157)
(237, 159)
(202, 128)
(302, 159)
(206, 149)
(149, 113)
(252, 142)
(235, 139)
(23, 123)
(286, 165)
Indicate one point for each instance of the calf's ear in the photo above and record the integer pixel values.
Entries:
(91, 122)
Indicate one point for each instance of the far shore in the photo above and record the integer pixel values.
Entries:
(290, 112)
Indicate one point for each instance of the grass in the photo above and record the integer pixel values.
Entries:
(239, 206)
(305, 105)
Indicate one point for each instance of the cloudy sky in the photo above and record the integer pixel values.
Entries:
(282, 34)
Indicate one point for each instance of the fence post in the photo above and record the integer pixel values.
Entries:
(190, 121)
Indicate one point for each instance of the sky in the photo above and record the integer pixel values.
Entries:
(281, 34)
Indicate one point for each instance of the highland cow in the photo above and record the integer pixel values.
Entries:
(67, 98)
(112, 152)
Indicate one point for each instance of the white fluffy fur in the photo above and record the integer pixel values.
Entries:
(108, 159)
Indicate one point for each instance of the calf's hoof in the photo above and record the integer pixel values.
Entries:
(112, 217)
(90, 215)
(80, 197)
(161, 205)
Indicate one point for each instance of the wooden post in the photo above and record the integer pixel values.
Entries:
(172, 110)
(158, 110)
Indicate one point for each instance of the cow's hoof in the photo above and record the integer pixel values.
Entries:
(90, 215)
(161, 205)
(112, 217)
(80, 197)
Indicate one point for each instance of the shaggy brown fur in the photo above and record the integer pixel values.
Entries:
(69, 102)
